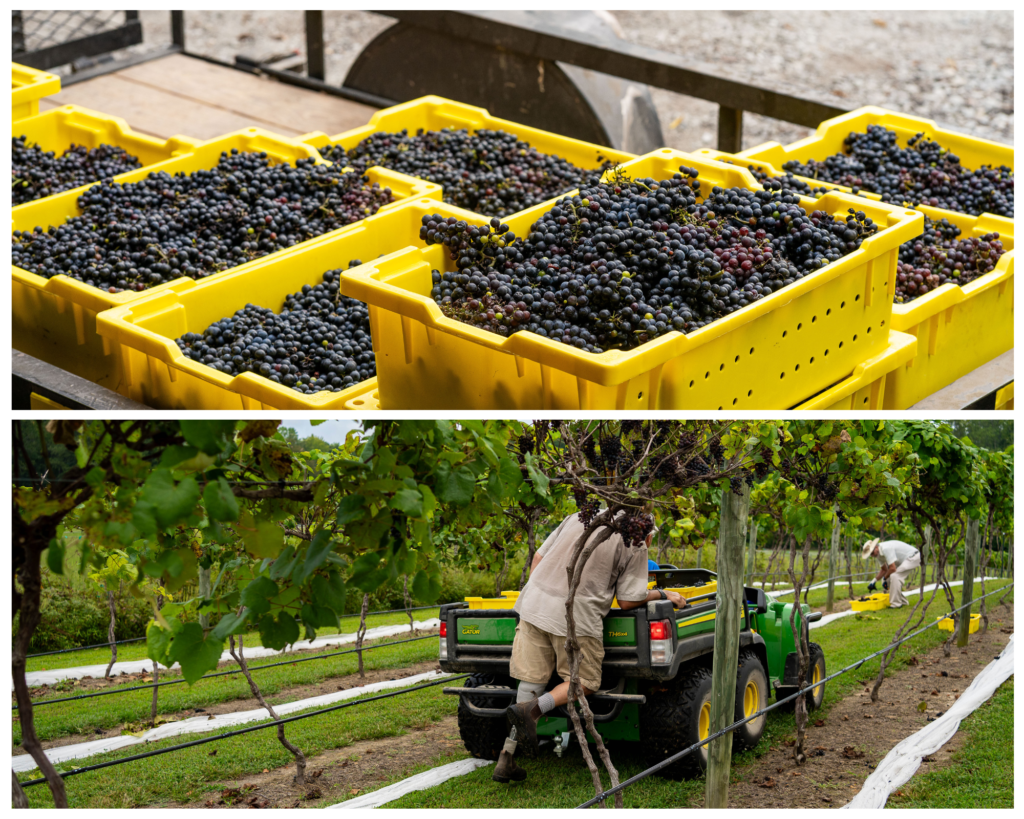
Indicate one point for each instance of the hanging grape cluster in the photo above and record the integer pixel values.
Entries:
(635, 529)
(827, 490)
(629, 427)
(525, 446)
(586, 505)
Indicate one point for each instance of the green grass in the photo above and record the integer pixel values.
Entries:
(980, 774)
(68, 718)
(186, 776)
(137, 651)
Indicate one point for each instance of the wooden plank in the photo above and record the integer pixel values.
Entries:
(988, 378)
(153, 111)
(752, 559)
(725, 660)
(269, 101)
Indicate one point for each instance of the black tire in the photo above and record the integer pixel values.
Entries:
(670, 722)
(816, 671)
(484, 737)
(751, 696)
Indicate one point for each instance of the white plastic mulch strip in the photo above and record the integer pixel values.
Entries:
(202, 725)
(902, 762)
(906, 592)
(253, 652)
(420, 782)
(831, 618)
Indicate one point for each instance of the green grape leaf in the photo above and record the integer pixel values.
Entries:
(278, 633)
(209, 436)
(195, 653)
(220, 501)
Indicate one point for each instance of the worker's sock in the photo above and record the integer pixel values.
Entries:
(544, 704)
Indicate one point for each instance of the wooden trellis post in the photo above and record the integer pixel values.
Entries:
(833, 562)
(727, 641)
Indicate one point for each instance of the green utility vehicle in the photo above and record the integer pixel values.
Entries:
(656, 683)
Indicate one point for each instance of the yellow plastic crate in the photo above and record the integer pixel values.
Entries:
(828, 139)
(55, 319)
(60, 128)
(865, 389)
(1004, 397)
(154, 371)
(436, 113)
(947, 623)
(41, 403)
(769, 355)
(506, 601)
(875, 602)
(958, 328)
(28, 86)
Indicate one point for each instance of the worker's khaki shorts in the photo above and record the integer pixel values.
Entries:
(536, 654)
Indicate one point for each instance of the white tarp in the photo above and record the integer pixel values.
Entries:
(205, 724)
(251, 652)
(902, 762)
(420, 782)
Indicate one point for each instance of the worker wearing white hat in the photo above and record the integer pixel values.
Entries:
(898, 560)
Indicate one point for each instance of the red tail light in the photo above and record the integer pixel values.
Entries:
(659, 630)
(444, 629)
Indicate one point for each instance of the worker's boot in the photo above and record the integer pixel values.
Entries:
(524, 716)
(506, 770)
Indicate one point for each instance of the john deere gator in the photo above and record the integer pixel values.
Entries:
(656, 683)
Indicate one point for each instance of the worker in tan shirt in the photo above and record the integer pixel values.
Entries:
(612, 571)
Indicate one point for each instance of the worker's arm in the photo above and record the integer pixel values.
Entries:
(890, 569)
(536, 562)
(677, 600)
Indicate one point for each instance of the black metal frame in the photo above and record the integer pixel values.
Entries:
(102, 42)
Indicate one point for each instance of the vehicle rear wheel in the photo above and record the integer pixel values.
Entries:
(751, 697)
(816, 674)
(484, 737)
(674, 718)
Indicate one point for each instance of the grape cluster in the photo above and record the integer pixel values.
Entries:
(630, 427)
(761, 470)
(669, 470)
(923, 173)
(138, 235)
(611, 449)
(715, 450)
(827, 490)
(627, 261)
(491, 172)
(635, 529)
(587, 505)
(36, 173)
(525, 445)
(939, 256)
(736, 485)
(320, 341)
(592, 455)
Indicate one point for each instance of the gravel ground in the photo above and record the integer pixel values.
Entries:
(955, 67)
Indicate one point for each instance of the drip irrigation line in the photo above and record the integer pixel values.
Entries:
(38, 703)
(137, 639)
(239, 732)
(84, 648)
(601, 797)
